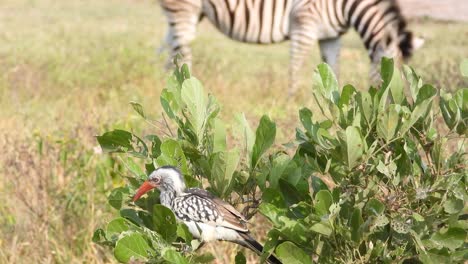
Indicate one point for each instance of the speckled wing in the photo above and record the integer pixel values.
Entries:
(201, 206)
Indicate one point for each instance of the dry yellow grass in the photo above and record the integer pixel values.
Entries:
(67, 72)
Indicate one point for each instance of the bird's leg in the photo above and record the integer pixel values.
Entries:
(202, 244)
(184, 247)
(247, 213)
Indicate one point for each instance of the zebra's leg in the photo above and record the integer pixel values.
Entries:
(330, 51)
(374, 73)
(165, 43)
(182, 30)
(301, 44)
(163, 47)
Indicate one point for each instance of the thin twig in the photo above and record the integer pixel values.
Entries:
(167, 125)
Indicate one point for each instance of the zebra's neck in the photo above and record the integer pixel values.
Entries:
(380, 25)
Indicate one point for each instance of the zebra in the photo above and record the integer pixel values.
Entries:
(379, 23)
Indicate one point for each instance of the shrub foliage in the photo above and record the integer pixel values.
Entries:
(396, 177)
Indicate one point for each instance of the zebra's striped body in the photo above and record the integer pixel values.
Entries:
(379, 23)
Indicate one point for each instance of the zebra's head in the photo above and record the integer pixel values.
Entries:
(393, 40)
(399, 44)
(408, 43)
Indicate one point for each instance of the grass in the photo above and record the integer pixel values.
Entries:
(67, 72)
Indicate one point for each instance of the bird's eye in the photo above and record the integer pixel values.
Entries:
(157, 180)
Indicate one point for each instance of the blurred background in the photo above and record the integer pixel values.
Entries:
(68, 70)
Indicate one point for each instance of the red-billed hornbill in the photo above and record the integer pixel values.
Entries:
(207, 217)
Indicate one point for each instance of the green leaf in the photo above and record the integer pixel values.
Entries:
(365, 103)
(223, 166)
(399, 226)
(138, 108)
(279, 166)
(354, 146)
(273, 196)
(449, 110)
(414, 80)
(347, 108)
(382, 95)
(264, 138)
(328, 85)
(205, 258)
(212, 109)
(427, 92)
(418, 217)
(248, 134)
(323, 201)
(270, 244)
(294, 175)
(289, 253)
(134, 168)
(123, 141)
(459, 256)
(464, 67)
(194, 97)
(155, 145)
(355, 224)
(172, 154)
(116, 141)
(423, 103)
(164, 222)
(346, 95)
(322, 228)
(374, 207)
(435, 256)
(99, 236)
(380, 220)
(461, 100)
(453, 206)
(132, 246)
(386, 71)
(387, 123)
(183, 232)
(240, 258)
(118, 196)
(452, 239)
(396, 87)
(131, 215)
(168, 103)
(219, 136)
(294, 194)
(115, 227)
(172, 256)
(185, 72)
(318, 184)
(305, 115)
(174, 87)
(272, 212)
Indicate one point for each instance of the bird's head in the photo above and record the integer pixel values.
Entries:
(166, 179)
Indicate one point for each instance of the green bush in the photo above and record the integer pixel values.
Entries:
(398, 189)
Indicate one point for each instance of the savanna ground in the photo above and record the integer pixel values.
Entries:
(68, 70)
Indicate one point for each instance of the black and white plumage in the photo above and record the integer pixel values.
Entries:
(207, 217)
(379, 23)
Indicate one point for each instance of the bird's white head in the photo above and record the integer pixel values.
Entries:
(166, 179)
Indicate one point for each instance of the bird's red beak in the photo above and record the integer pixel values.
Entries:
(144, 188)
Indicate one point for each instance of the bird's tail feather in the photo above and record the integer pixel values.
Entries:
(251, 243)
